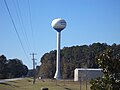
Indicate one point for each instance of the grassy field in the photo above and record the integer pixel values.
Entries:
(26, 84)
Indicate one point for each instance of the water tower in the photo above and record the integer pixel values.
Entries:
(58, 24)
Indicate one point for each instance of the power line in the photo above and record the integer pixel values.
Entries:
(31, 25)
(22, 25)
(15, 28)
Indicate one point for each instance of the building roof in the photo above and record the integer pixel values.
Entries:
(88, 69)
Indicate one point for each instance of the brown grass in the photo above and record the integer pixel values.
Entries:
(26, 84)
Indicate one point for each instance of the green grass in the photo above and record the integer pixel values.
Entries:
(26, 84)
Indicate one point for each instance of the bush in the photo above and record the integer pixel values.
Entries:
(110, 63)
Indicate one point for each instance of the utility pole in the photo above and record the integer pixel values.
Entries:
(33, 58)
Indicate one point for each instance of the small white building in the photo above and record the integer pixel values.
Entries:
(87, 74)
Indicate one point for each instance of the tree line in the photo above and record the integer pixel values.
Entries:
(12, 68)
(83, 56)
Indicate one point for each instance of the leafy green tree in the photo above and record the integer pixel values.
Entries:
(3, 63)
(109, 61)
(47, 68)
(16, 68)
(12, 68)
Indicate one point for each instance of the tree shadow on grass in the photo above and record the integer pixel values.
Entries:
(5, 84)
(67, 88)
(9, 84)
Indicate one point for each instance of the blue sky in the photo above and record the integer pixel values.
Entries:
(88, 21)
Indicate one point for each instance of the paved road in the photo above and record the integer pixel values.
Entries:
(7, 80)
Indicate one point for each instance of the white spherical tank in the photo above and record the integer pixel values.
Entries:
(58, 24)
